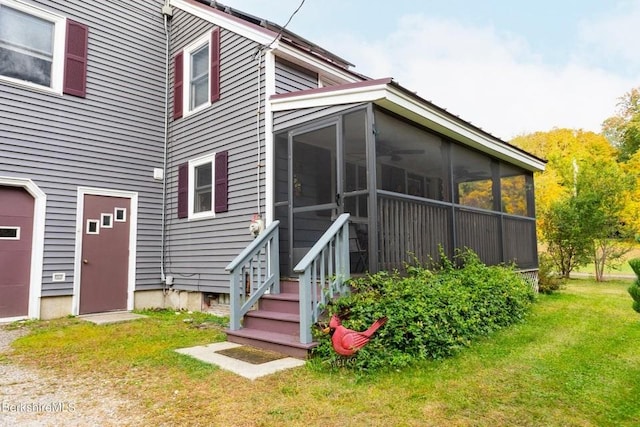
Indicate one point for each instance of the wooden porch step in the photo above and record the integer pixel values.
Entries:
(275, 341)
(273, 321)
(284, 302)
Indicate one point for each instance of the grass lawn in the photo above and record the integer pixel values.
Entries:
(575, 361)
(623, 268)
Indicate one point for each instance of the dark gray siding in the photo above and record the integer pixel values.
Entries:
(199, 250)
(286, 119)
(111, 139)
(292, 78)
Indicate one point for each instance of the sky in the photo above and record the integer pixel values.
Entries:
(511, 67)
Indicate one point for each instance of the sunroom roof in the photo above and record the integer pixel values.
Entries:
(390, 95)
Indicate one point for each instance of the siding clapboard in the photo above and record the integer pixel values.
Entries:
(292, 78)
(199, 250)
(111, 139)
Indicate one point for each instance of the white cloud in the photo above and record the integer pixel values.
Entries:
(491, 79)
(614, 36)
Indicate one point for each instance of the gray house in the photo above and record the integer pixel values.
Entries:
(140, 140)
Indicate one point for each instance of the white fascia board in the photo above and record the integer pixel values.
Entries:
(337, 97)
(263, 36)
(294, 55)
(413, 109)
(236, 25)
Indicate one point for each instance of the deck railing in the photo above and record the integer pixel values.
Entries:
(253, 272)
(323, 273)
(415, 228)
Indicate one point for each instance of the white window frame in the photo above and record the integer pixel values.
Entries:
(9, 227)
(124, 215)
(186, 83)
(57, 65)
(103, 216)
(193, 164)
(93, 221)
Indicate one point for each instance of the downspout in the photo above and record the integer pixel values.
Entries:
(167, 13)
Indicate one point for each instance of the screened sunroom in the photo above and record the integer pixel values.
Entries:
(415, 179)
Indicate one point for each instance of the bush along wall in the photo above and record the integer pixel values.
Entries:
(634, 289)
(431, 314)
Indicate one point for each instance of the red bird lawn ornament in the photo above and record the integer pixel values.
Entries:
(346, 341)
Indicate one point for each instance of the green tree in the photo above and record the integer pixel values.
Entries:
(634, 289)
(562, 148)
(623, 129)
(601, 189)
(567, 238)
(586, 225)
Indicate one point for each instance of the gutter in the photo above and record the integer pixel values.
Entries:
(167, 13)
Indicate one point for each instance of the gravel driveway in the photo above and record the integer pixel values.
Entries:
(31, 397)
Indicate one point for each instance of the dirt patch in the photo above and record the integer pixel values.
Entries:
(34, 397)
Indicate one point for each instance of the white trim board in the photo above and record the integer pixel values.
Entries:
(37, 243)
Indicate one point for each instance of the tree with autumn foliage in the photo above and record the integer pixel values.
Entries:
(581, 198)
(601, 193)
(623, 129)
(623, 132)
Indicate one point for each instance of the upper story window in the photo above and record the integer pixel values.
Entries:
(197, 75)
(28, 50)
(42, 50)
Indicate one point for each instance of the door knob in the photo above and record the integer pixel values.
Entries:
(85, 261)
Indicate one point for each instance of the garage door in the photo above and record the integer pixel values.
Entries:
(16, 236)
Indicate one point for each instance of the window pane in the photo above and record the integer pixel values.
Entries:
(513, 190)
(199, 81)
(410, 160)
(355, 151)
(199, 92)
(19, 30)
(202, 193)
(26, 46)
(202, 200)
(314, 169)
(472, 176)
(203, 175)
(9, 232)
(200, 62)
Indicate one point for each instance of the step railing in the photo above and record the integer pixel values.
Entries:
(253, 272)
(323, 273)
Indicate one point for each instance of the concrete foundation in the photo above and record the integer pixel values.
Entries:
(218, 304)
(183, 300)
(55, 307)
(148, 299)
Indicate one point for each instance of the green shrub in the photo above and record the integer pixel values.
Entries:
(634, 289)
(548, 279)
(432, 314)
